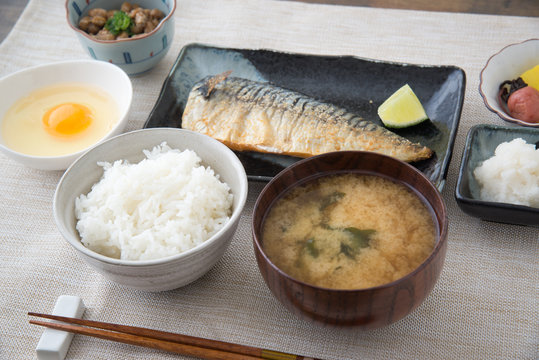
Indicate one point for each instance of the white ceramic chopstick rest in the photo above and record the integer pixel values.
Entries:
(53, 344)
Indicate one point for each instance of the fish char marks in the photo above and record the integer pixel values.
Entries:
(255, 116)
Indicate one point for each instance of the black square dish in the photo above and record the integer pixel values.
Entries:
(356, 84)
(481, 143)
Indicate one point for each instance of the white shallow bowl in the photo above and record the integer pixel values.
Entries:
(113, 80)
(159, 274)
(134, 55)
(508, 64)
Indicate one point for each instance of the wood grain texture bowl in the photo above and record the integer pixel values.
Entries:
(368, 308)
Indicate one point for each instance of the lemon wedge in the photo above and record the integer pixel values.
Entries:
(402, 109)
(531, 77)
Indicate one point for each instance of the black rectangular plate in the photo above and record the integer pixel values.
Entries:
(356, 84)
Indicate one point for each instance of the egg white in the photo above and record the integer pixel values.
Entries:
(24, 132)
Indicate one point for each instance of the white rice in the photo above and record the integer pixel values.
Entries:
(511, 175)
(164, 205)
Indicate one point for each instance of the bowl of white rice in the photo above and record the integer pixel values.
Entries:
(499, 175)
(152, 209)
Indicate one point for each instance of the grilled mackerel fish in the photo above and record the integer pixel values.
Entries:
(255, 116)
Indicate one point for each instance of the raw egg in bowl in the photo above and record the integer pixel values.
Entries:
(51, 114)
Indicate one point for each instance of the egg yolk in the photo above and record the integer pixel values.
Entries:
(67, 119)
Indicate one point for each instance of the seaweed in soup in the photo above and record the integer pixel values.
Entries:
(349, 231)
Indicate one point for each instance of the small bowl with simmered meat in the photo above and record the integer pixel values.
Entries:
(133, 36)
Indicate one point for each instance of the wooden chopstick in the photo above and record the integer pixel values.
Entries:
(172, 342)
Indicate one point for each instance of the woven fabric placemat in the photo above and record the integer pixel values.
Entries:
(484, 306)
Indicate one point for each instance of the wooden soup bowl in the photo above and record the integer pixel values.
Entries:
(363, 308)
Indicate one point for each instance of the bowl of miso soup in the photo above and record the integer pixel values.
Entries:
(350, 238)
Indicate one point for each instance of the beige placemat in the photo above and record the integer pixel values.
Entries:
(485, 305)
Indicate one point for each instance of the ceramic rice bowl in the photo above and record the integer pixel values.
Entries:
(158, 274)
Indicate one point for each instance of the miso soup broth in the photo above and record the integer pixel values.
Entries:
(349, 231)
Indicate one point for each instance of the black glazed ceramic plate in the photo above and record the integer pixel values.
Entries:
(481, 142)
(359, 85)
